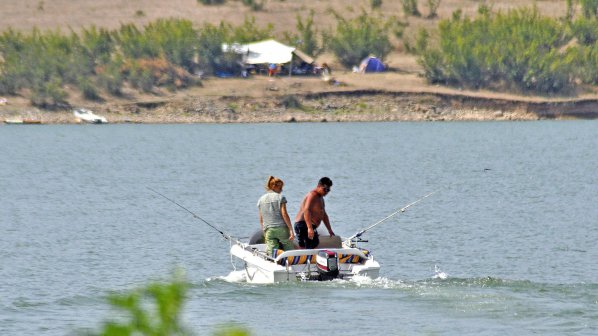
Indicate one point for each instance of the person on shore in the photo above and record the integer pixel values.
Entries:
(327, 75)
(272, 69)
(311, 213)
(326, 72)
(274, 219)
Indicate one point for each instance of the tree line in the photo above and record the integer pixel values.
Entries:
(517, 50)
(164, 53)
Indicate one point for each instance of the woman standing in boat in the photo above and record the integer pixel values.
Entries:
(274, 218)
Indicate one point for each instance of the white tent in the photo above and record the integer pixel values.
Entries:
(266, 52)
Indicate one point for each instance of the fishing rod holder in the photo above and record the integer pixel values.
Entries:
(352, 242)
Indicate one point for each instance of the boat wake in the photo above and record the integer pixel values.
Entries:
(438, 280)
(232, 277)
(438, 274)
(357, 280)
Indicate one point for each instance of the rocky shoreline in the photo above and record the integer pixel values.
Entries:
(332, 106)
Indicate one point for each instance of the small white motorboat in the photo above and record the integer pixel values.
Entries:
(86, 115)
(333, 259)
(13, 121)
(20, 121)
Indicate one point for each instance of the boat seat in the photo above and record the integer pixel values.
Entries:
(311, 258)
(352, 258)
(257, 237)
(296, 260)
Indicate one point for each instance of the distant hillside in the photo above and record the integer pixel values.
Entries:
(67, 14)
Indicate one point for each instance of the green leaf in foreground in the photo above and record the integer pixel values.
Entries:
(155, 310)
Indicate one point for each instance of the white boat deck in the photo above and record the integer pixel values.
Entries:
(261, 268)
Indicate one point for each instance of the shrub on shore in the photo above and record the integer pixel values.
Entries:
(543, 55)
(474, 52)
(211, 37)
(44, 62)
(163, 53)
(174, 40)
(589, 8)
(211, 2)
(354, 39)
(306, 37)
(410, 7)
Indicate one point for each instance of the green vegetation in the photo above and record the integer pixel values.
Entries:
(45, 62)
(543, 55)
(155, 310)
(589, 8)
(433, 8)
(420, 45)
(211, 37)
(254, 4)
(47, 66)
(375, 3)
(570, 11)
(248, 31)
(410, 8)
(355, 39)
(306, 37)
(211, 2)
(96, 61)
(538, 56)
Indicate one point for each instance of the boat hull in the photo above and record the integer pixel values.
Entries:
(260, 269)
(85, 115)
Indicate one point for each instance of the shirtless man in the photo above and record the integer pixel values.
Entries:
(311, 213)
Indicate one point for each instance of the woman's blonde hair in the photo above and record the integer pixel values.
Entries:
(273, 182)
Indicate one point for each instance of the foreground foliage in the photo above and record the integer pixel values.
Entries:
(154, 310)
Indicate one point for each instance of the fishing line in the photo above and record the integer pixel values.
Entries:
(226, 236)
(359, 233)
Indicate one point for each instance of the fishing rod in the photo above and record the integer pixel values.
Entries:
(359, 233)
(225, 235)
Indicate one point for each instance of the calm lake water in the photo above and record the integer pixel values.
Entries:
(514, 225)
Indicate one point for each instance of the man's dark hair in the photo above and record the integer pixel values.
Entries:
(325, 181)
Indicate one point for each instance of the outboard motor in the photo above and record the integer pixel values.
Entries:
(327, 263)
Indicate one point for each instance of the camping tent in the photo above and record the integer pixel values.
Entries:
(371, 64)
(267, 52)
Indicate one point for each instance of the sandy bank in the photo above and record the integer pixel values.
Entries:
(384, 97)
